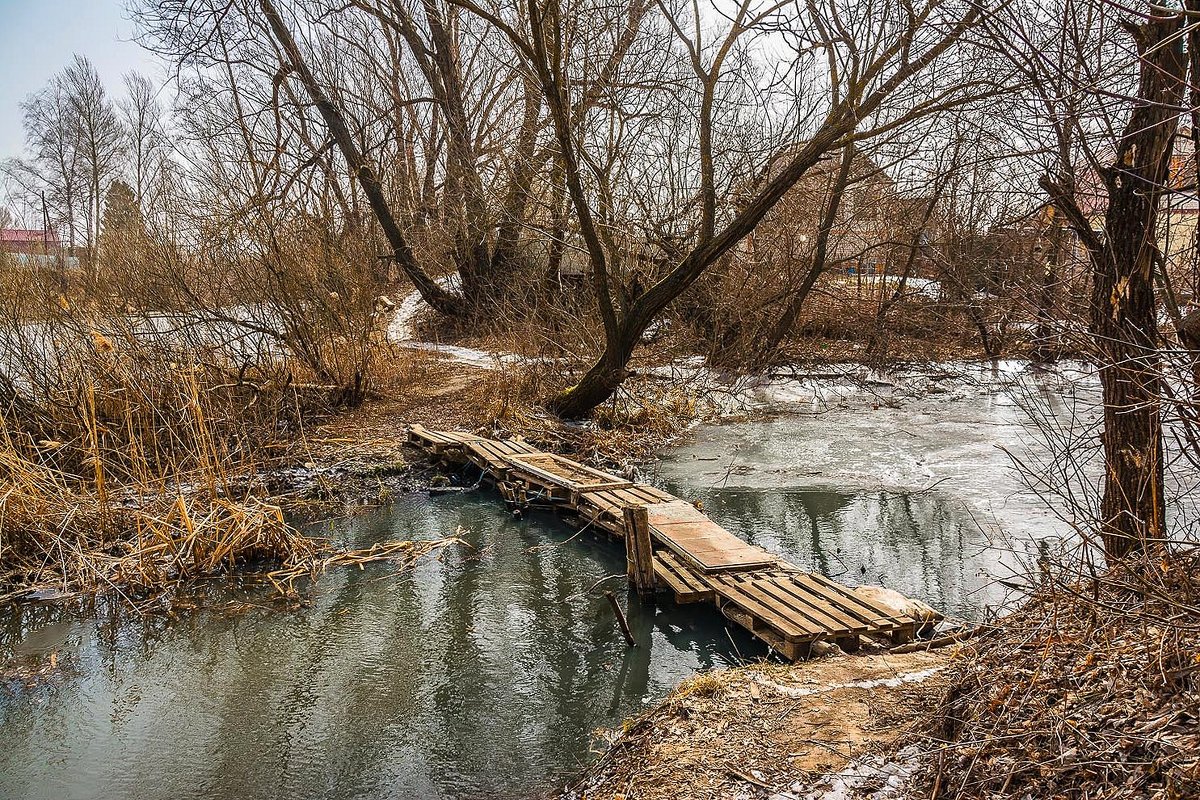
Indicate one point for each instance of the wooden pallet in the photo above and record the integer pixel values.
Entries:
(693, 557)
(703, 543)
(438, 442)
(559, 476)
(491, 455)
(801, 608)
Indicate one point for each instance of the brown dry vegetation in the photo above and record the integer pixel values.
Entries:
(1092, 690)
(148, 472)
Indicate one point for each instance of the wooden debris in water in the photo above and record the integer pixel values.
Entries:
(405, 553)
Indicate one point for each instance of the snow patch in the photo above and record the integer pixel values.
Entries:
(891, 683)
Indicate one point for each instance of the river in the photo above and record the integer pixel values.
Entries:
(484, 673)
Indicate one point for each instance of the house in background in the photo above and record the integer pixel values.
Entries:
(35, 249)
(1178, 217)
(19, 241)
(875, 226)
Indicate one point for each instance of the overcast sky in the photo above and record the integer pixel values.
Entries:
(39, 37)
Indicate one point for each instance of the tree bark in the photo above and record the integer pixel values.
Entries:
(1124, 325)
(787, 320)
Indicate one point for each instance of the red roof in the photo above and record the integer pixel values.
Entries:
(21, 236)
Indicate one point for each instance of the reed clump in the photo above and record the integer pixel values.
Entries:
(141, 473)
(61, 536)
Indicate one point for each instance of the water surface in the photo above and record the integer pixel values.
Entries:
(483, 674)
(480, 675)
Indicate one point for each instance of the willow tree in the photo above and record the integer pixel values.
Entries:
(853, 69)
(405, 111)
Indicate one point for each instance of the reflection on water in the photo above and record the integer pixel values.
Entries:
(480, 675)
(923, 545)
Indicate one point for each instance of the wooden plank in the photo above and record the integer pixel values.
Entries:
(822, 615)
(700, 541)
(648, 495)
(564, 472)
(688, 575)
(848, 600)
(685, 590)
(791, 628)
(638, 550)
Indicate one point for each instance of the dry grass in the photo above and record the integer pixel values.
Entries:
(1091, 691)
(54, 534)
(153, 475)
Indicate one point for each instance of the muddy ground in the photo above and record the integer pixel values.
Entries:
(768, 730)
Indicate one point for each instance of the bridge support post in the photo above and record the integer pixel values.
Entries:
(639, 553)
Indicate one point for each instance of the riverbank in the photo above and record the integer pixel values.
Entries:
(756, 730)
(1088, 690)
(783, 731)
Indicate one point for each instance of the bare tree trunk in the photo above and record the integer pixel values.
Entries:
(523, 172)
(1043, 351)
(787, 320)
(914, 249)
(1193, 48)
(1123, 325)
(431, 291)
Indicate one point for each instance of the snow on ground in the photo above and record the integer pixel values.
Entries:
(400, 331)
(401, 328)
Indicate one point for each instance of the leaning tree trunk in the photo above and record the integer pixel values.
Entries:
(431, 291)
(773, 338)
(1124, 326)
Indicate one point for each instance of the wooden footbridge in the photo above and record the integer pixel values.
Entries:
(671, 545)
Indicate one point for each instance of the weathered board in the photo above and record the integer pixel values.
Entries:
(493, 453)
(693, 557)
(688, 586)
(560, 471)
(700, 541)
(438, 441)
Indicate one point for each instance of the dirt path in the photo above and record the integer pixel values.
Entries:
(766, 729)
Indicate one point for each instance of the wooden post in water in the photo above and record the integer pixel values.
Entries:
(621, 621)
(639, 554)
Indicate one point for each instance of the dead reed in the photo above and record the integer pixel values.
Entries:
(151, 476)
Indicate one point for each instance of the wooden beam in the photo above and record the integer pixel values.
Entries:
(639, 553)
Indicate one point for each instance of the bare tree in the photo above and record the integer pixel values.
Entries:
(150, 170)
(99, 137)
(1121, 138)
(869, 61)
(53, 171)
